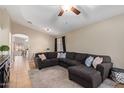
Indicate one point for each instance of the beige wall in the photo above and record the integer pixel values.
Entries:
(38, 41)
(5, 27)
(106, 37)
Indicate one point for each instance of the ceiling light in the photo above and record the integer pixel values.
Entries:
(26, 40)
(47, 29)
(29, 22)
(66, 7)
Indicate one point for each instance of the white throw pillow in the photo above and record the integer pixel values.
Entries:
(63, 55)
(42, 56)
(97, 60)
(59, 55)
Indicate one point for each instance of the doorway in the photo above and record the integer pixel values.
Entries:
(20, 62)
(20, 45)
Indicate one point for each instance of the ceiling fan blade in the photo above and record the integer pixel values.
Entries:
(84, 11)
(61, 12)
(76, 11)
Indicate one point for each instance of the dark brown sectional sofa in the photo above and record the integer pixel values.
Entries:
(75, 63)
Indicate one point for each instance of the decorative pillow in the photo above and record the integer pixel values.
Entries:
(63, 55)
(97, 60)
(59, 55)
(42, 56)
(88, 61)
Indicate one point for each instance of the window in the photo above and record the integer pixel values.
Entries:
(59, 44)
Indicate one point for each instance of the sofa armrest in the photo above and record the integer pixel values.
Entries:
(38, 62)
(104, 68)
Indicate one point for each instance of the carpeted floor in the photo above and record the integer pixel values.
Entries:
(57, 77)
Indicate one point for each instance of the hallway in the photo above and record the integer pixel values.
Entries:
(19, 77)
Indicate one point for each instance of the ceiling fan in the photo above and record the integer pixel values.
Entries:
(69, 8)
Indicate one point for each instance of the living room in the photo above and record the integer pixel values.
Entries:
(61, 46)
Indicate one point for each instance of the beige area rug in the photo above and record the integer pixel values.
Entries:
(57, 77)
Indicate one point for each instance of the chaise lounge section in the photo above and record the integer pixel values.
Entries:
(87, 77)
(75, 63)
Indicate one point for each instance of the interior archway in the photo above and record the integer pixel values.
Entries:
(20, 45)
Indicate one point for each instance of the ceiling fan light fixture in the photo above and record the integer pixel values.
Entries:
(66, 7)
(29, 22)
(47, 29)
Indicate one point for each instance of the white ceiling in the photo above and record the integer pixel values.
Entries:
(46, 16)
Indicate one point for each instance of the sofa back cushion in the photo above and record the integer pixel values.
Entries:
(70, 55)
(80, 57)
(50, 55)
(105, 58)
(37, 54)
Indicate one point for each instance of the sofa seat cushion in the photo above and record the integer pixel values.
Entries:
(73, 63)
(87, 77)
(51, 60)
(51, 55)
(64, 60)
(85, 73)
(69, 62)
